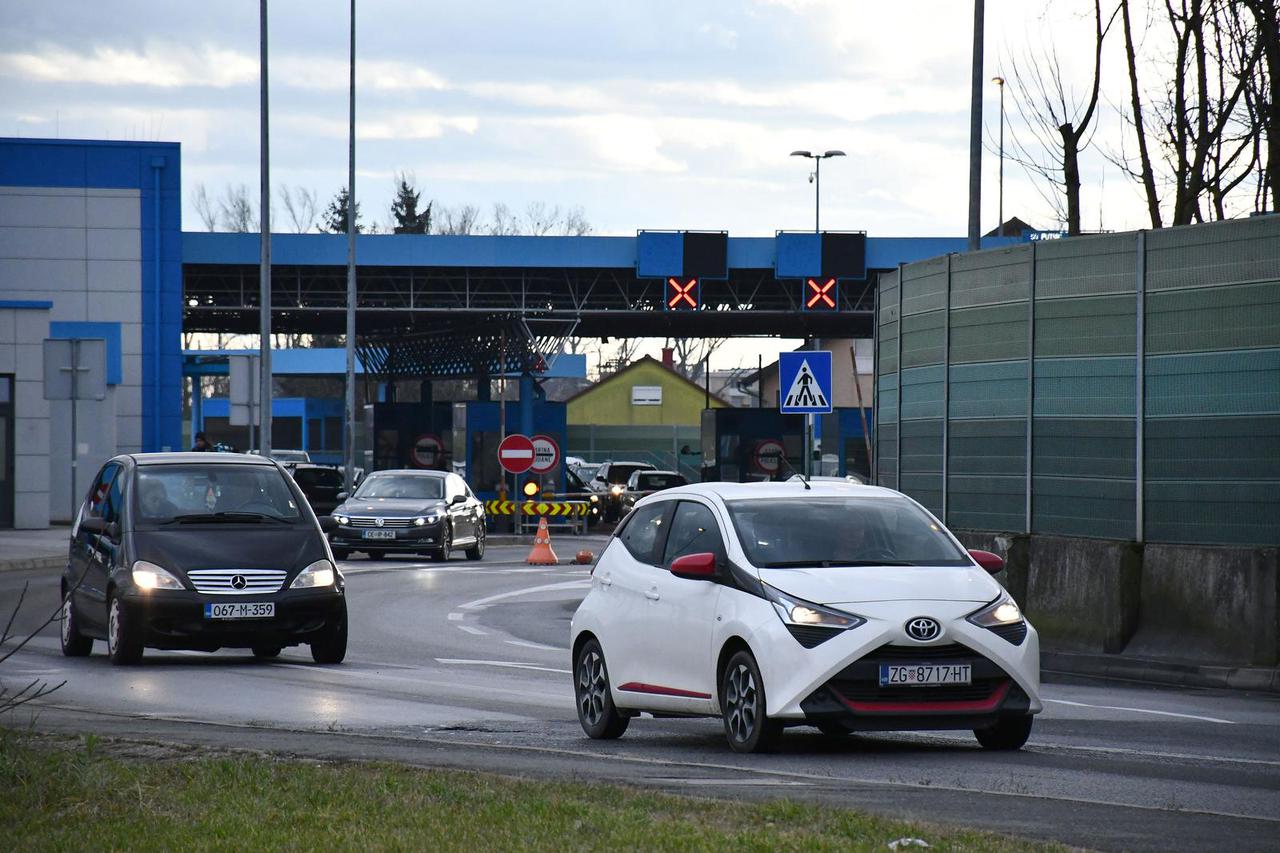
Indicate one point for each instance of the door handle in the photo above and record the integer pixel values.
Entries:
(652, 594)
(605, 580)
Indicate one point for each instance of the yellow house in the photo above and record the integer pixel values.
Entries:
(643, 393)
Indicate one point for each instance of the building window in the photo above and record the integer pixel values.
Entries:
(646, 395)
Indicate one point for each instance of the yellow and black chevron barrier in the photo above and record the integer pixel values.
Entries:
(541, 508)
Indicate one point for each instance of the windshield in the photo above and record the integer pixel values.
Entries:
(619, 474)
(655, 482)
(308, 478)
(405, 486)
(234, 492)
(841, 531)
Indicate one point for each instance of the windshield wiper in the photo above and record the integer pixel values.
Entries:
(827, 564)
(232, 516)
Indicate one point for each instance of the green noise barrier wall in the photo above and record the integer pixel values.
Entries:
(1122, 386)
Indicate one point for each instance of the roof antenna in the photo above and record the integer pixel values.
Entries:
(782, 457)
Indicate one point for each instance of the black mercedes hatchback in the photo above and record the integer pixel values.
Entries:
(200, 551)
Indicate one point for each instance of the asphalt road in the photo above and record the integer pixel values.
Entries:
(466, 665)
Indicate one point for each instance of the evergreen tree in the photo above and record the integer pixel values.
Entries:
(335, 216)
(404, 209)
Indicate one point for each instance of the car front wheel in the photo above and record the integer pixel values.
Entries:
(596, 711)
(331, 645)
(1008, 734)
(124, 638)
(441, 554)
(742, 700)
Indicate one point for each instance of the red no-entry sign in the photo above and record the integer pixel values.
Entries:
(515, 454)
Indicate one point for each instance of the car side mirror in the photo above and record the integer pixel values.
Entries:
(328, 523)
(699, 567)
(459, 499)
(341, 496)
(993, 563)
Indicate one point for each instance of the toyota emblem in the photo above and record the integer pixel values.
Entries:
(379, 521)
(238, 582)
(923, 628)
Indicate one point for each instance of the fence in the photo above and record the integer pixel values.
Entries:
(660, 445)
(1124, 386)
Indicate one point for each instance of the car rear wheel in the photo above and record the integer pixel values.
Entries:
(266, 652)
(476, 551)
(742, 700)
(1007, 734)
(331, 645)
(375, 555)
(596, 711)
(74, 644)
(441, 554)
(124, 638)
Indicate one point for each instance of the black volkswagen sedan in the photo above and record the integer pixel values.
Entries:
(423, 512)
(200, 551)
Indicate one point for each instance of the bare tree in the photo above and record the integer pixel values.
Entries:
(11, 697)
(691, 354)
(461, 220)
(1061, 126)
(575, 223)
(237, 211)
(505, 223)
(302, 205)
(204, 208)
(1144, 172)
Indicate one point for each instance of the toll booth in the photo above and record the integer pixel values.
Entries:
(409, 435)
(744, 445)
(480, 422)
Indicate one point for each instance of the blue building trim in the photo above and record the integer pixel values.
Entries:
(109, 332)
(154, 169)
(24, 305)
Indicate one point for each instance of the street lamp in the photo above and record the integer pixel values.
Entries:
(816, 177)
(999, 81)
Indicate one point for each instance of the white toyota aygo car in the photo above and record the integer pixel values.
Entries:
(828, 604)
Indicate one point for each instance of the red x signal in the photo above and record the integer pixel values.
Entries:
(682, 296)
(820, 295)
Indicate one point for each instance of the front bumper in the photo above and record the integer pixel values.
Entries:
(406, 538)
(174, 619)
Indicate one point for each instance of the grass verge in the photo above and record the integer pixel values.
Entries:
(83, 793)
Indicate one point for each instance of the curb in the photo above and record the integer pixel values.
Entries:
(1175, 673)
(54, 562)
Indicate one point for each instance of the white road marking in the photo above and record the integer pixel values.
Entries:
(455, 616)
(484, 602)
(503, 663)
(529, 645)
(471, 630)
(1142, 711)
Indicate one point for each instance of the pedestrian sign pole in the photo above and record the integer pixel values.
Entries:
(804, 379)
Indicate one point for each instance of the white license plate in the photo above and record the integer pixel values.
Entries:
(924, 674)
(379, 534)
(240, 610)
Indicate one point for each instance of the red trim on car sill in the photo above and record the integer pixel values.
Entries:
(955, 707)
(638, 687)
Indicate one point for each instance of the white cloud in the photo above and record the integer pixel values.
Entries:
(164, 67)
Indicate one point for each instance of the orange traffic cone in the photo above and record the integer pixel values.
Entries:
(542, 555)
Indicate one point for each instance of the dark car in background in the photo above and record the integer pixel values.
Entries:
(578, 489)
(611, 481)
(200, 551)
(409, 511)
(320, 483)
(641, 484)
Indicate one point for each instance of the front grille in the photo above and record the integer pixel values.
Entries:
(940, 693)
(1015, 633)
(922, 654)
(860, 681)
(372, 521)
(810, 636)
(223, 581)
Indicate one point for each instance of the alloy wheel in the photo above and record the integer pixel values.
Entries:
(740, 701)
(113, 626)
(592, 687)
(66, 622)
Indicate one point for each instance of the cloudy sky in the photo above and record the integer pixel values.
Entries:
(654, 114)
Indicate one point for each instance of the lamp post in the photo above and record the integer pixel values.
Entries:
(816, 178)
(999, 81)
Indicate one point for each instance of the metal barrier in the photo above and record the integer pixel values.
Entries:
(572, 515)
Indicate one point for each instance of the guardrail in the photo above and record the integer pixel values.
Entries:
(558, 513)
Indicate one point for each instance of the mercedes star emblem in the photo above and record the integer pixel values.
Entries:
(238, 582)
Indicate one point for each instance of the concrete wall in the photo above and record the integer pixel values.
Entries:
(21, 332)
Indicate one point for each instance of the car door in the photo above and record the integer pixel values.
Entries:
(95, 555)
(683, 658)
(460, 514)
(624, 574)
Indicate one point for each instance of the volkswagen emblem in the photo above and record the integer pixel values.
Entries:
(379, 521)
(238, 582)
(923, 628)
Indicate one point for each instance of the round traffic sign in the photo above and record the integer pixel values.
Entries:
(515, 453)
(767, 456)
(546, 454)
(427, 451)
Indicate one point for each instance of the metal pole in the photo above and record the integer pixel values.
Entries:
(975, 134)
(1000, 225)
(349, 428)
(1031, 386)
(75, 394)
(817, 190)
(946, 394)
(264, 216)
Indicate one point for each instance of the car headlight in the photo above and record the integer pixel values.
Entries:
(342, 519)
(319, 573)
(150, 576)
(430, 518)
(616, 490)
(796, 611)
(1003, 611)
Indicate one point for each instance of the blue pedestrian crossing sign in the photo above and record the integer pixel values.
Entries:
(804, 382)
